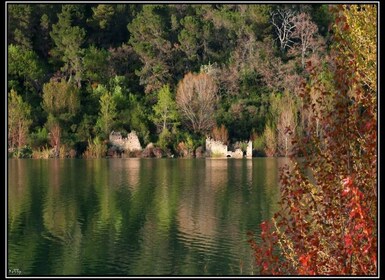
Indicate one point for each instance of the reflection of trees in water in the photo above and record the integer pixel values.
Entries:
(21, 247)
(213, 219)
(19, 198)
(196, 213)
(188, 215)
(125, 172)
(60, 218)
(60, 209)
(216, 173)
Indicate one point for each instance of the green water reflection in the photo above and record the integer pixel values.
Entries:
(137, 216)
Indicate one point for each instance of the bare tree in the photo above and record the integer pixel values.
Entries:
(306, 32)
(196, 99)
(282, 20)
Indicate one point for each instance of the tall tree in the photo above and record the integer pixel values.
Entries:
(20, 25)
(95, 65)
(165, 111)
(20, 76)
(306, 32)
(149, 38)
(196, 99)
(282, 20)
(61, 99)
(109, 24)
(69, 38)
(61, 102)
(107, 113)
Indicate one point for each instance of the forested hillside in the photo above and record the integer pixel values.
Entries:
(175, 74)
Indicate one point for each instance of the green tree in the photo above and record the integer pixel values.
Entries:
(190, 38)
(137, 117)
(61, 99)
(108, 24)
(61, 102)
(18, 74)
(69, 39)
(19, 120)
(20, 25)
(95, 65)
(165, 111)
(149, 39)
(107, 113)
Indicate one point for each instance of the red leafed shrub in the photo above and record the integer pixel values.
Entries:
(327, 223)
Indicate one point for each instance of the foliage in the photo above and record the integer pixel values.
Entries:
(107, 113)
(306, 34)
(18, 58)
(95, 64)
(196, 99)
(22, 152)
(138, 118)
(165, 111)
(19, 120)
(165, 139)
(220, 134)
(149, 39)
(258, 143)
(60, 99)
(270, 141)
(328, 221)
(96, 148)
(286, 124)
(43, 152)
(39, 138)
(68, 39)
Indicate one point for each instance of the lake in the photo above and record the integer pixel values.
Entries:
(137, 216)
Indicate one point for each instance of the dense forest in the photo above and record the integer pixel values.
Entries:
(175, 74)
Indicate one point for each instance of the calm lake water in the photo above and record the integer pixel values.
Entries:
(137, 216)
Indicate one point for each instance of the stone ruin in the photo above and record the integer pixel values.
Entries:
(130, 143)
(218, 149)
(249, 149)
(215, 148)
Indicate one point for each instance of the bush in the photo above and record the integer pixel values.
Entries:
(39, 138)
(96, 148)
(165, 139)
(24, 152)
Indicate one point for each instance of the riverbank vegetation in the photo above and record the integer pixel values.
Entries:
(172, 73)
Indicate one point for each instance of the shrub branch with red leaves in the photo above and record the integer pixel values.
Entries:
(327, 222)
